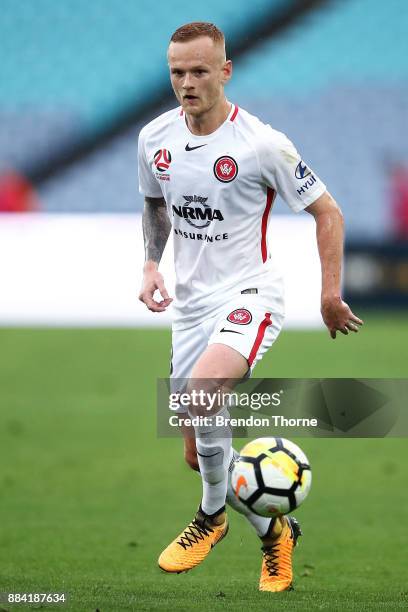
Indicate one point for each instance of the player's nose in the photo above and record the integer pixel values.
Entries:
(187, 82)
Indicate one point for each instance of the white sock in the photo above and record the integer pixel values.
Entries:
(214, 453)
(260, 523)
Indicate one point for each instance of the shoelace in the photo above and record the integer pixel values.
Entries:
(271, 555)
(193, 533)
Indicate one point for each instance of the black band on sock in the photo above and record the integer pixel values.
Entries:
(211, 516)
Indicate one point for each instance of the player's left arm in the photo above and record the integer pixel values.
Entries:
(336, 314)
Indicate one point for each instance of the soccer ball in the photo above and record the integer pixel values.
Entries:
(271, 476)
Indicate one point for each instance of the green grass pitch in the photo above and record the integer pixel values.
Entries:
(89, 496)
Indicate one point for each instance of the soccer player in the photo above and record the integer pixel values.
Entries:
(209, 172)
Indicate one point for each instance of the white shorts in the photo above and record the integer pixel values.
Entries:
(248, 323)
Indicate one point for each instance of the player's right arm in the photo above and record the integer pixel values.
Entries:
(156, 230)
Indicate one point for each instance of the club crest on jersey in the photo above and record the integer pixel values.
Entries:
(162, 160)
(240, 316)
(225, 169)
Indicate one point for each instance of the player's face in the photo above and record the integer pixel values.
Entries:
(198, 72)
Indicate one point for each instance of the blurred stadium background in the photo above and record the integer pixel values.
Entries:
(77, 82)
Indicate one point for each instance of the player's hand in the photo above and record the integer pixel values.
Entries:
(153, 281)
(338, 316)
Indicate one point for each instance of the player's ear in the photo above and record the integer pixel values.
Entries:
(226, 71)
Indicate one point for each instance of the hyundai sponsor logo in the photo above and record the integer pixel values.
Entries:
(302, 171)
(303, 189)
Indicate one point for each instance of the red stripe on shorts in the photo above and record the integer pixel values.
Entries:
(270, 196)
(259, 337)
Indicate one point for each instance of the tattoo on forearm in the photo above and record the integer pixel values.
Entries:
(156, 228)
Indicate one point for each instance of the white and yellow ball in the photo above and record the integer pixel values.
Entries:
(272, 476)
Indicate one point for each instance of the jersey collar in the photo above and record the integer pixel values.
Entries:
(231, 117)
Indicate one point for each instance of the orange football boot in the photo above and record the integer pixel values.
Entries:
(276, 572)
(192, 546)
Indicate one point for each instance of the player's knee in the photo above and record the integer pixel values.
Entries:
(191, 459)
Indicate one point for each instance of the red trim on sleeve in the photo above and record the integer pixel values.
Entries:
(259, 337)
(235, 113)
(270, 196)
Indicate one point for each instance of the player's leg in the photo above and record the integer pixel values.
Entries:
(214, 451)
(217, 370)
(259, 523)
(187, 347)
(250, 323)
(258, 318)
(278, 536)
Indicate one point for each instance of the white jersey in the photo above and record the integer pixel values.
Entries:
(219, 190)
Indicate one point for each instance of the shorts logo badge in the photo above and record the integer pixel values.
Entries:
(240, 316)
(225, 169)
(162, 160)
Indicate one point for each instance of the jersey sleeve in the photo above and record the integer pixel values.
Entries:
(283, 169)
(148, 186)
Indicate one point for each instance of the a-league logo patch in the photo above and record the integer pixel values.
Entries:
(240, 316)
(225, 169)
(162, 160)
